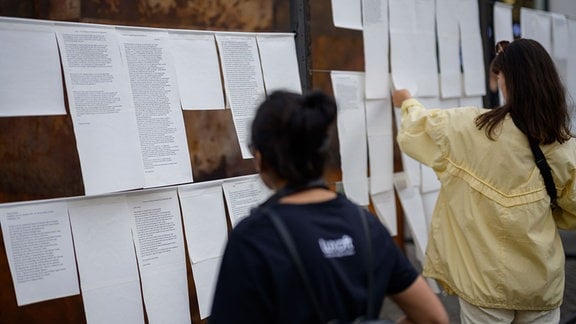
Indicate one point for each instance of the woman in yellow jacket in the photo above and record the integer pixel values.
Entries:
(493, 239)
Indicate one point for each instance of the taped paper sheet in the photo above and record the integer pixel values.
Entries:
(279, 62)
(197, 69)
(159, 241)
(204, 213)
(40, 253)
(107, 265)
(101, 107)
(375, 35)
(160, 120)
(31, 76)
(347, 14)
(351, 121)
(243, 82)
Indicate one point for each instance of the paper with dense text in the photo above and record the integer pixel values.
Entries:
(39, 248)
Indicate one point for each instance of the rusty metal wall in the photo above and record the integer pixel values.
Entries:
(38, 157)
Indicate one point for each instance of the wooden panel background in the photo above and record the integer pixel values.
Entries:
(38, 156)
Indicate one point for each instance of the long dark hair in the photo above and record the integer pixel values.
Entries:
(535, 95)
(291, 132)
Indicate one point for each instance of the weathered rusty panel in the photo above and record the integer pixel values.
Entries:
(20, 8)
(38, 159)
(68, 10)
(240, 15)
(214, 149)
(337, 52)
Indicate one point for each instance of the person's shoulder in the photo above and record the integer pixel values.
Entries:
(373, 222)
(344, 202)
(566, 150)
(248, 224)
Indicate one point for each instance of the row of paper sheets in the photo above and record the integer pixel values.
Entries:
(416, 26)
(122, 242)
(126, 86)
(416, 29)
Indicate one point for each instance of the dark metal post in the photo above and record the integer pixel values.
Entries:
(486, 12)
(300, 25)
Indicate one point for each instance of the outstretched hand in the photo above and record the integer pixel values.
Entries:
(398, 96)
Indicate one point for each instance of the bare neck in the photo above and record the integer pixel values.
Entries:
(312, 195)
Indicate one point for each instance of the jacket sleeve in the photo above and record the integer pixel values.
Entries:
(565, 216)
(421, 133)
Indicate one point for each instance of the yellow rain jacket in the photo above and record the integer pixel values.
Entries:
(493, 238)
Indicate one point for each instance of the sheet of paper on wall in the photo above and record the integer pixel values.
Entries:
(204, 215)
(197, 70)
(376, 41)
(242, 194)
(403, 47)
(379, 124)
(426, 61)
(385, 206)
(410, 166)
(475, 101)
(472, 51)
(243, 81)
(502, 22)
(381, 160)
(448, 48)
(411, 202)
(31, 77)
(347, 14)
(537, 25)
(158, 238)
(106, 258)
(279, 62)
(39, 250)
(101, 107)
(560, 36)
(205, 275)
(560, 44)
(351, 123)
(160, 120)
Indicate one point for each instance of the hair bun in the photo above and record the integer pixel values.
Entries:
(322, 102)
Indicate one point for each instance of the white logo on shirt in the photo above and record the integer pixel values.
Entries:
(337, 248)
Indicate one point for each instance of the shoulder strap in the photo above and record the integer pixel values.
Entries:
(369, 267)
(541, 163)
(291, 246)
(293, 251)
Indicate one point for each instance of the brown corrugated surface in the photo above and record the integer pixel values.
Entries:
(38, 156)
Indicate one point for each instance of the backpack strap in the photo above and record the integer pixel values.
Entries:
(541, 163)
(292, 250)
(369, 264)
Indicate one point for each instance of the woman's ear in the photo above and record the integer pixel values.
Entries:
(257, 161)
(268, 177)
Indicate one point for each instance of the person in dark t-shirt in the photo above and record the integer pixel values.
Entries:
(258, 280)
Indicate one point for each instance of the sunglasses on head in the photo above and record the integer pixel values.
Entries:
(501, 46)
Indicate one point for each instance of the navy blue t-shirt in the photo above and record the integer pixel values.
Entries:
(258, 282)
